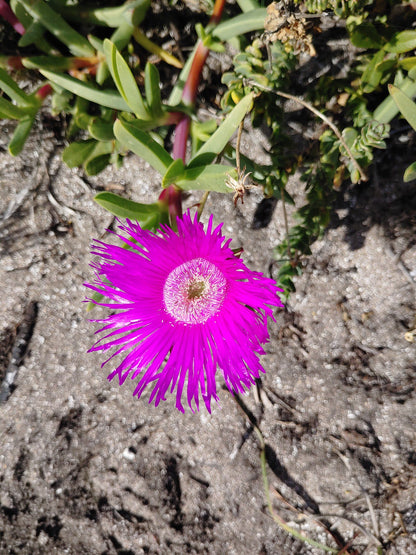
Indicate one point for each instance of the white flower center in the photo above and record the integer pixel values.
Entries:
(194, 291)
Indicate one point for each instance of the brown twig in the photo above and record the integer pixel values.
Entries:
(289, 254)
(201, 204)
(320, 115)
(237, 148)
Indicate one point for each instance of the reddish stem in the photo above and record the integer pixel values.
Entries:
(181, 136)
(172, 194)
(12, 62)
(173, 118)
(172, 197)
(44, 91)
(7, 14)
(217, 12)
(191, 86)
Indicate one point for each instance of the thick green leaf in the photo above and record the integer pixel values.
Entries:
(99, 158)
(122, 35)
(406, 106)
(97, 164)
(81, 119)
(202, 130)
(20, 135)
(42, 12)
(61, 102)
(365, 35)
(14, 91)
(402, 42)
(123, 208)
(408, 63)
(349, 135)
(101, 130)
(410, 173)
(240, 24)
(108, 98)
(248, 5)
(411, 74)
(53, 63)
(174, 171)
(217, 142)
(77, 153)
(152, 88)
(388, 109)
(372, 74)
(10, 111)
(102, 72)
(34, 31)
(124, 80)
(132, 12)
(385, 67)
(96, 43)
(93, 155)
(143, 145)
(207, 178)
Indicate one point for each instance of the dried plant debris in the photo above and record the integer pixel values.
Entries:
(288, 28)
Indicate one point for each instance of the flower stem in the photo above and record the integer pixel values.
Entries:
(172, 198)
(181, 136)
(172, 194)
(44, 91)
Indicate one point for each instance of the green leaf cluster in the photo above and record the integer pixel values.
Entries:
(16, 104)
(407, 108)
(253, 70)
(199, 173)
(115, 103)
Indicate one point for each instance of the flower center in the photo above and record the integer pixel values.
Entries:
(194, 291)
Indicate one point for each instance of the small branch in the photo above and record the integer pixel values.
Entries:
(188, 97)
(237, 148)
(191, 86)
(289, 254)
(292, 531)
(320, 115)
(154, 48)
(201, 204)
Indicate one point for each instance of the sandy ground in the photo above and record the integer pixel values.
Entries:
(85, 468)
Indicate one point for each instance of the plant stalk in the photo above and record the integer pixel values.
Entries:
(172, 195)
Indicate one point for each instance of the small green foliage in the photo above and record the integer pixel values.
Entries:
(125, 81)
(142, 144)
(253, 71)
(341, 8)
(215, 143)
(42, 13)
(241, 24)
(408, 110)
(149, 216)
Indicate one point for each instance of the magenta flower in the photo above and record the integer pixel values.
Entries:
(185, 306)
